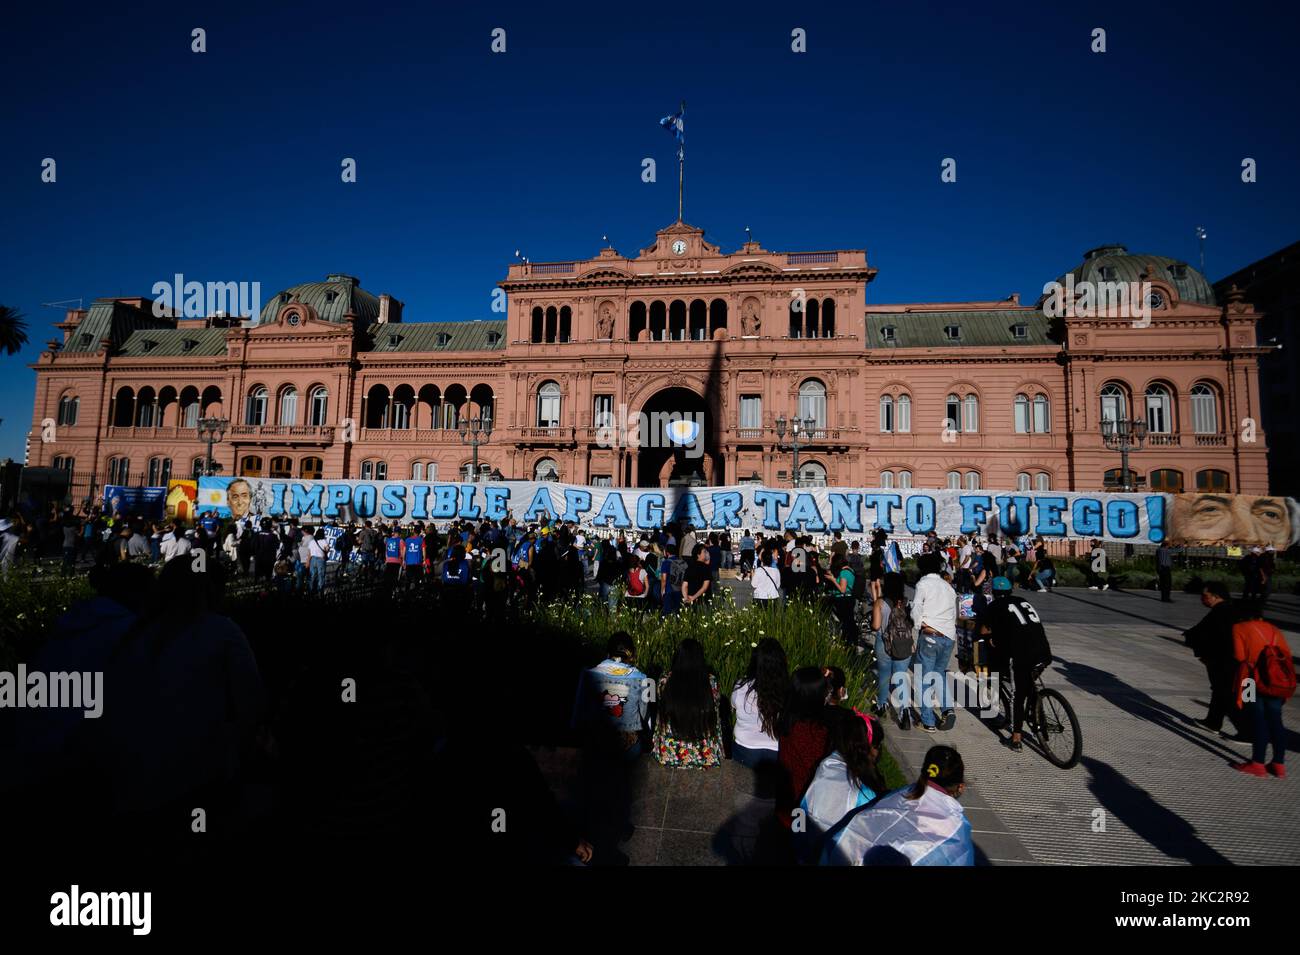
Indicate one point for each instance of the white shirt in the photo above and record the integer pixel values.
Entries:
(173, 546)
(749, 725)
(935, 606)
(767, 583)
(312, 547)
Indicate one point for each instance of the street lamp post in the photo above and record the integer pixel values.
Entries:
(1123, 436)
(211, 430)
(475, 431)
(801, 430)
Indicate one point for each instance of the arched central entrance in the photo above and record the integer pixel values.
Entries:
(665, 458)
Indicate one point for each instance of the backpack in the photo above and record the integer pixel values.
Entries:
(635, 582)
(1274, 671)
(677, 574)
(899, 638)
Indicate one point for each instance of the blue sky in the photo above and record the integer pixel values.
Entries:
(225, 166)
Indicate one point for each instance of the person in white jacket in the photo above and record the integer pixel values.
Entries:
(934, 618)
(174, 543)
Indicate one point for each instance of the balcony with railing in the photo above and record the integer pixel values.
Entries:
(172, 432)
(307, 434)
(1163, 440)
(1211, 440)
(544, 435)
(411, 435)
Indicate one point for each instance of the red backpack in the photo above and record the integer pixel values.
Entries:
(1274, 671)
(635, 582)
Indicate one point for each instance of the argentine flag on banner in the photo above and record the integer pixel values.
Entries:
(892, 559)
(211, 497)
(676, 125)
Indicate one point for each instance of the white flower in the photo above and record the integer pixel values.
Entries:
(753, 644)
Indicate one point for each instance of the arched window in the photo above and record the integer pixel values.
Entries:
(548, 405)
(954, 480)
(145, 407)
(972, 480)
(1168, 480)
(65, 463)
(903, 414)
(311, 468)
(1042, 481)
(887, 479)
(281, 467)
(1160, 412)
(970, 420)
(1212, 480)
(318, 410)
(1022, 417)
(886, 414)
(1042, 418)
(119, 469)
(160, 471)
(288, 407)
(828, 318)
(812, 403)
(255, 413)
(68, 406)
(546, 470)
(250, 466)
(417, 471)
(952, 413)
(1114, 403)
(374, 470)
(403, 403)
(1205, 409)
(1022, 482)
(905, 479)
(812, 474)
(189, 402)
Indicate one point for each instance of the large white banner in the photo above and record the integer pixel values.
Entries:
(1135, 518)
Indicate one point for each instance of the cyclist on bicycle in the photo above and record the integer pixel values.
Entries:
(1019, 645)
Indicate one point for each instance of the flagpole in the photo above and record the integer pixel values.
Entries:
(681, 180)
(681, 166)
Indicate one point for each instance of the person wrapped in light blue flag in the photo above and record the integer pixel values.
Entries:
(923, 824)
(893, 560)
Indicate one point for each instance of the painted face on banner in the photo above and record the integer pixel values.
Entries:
(1219, 518)
(239, 497)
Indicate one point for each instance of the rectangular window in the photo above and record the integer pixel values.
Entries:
(1022, 419)
(952, 413)
(751, 411)
(886, 415)
(905, 479)
(603, 413)
(601, 480)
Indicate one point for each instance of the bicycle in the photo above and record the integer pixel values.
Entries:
(1049, 718)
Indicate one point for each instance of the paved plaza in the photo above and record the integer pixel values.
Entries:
(1152, 786)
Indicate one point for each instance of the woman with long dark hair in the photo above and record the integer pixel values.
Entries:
(891, 670)
(876, 562)
(688, 731)
(757, 702)
(841, 580)
(846, 779)
(803, 738)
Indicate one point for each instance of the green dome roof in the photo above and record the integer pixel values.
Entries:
(1124, 266)
(332, 299)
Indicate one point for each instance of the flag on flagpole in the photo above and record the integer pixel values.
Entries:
(676, 125)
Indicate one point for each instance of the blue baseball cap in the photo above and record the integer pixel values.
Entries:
(1001, 584)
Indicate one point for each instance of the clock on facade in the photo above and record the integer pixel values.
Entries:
(1155, 300)
(293, 319)
(679, 247)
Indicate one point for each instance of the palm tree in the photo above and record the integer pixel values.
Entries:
(13, 330)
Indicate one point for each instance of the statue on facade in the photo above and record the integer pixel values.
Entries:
(749, 323)
(605, 322)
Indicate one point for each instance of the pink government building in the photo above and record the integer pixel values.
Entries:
(330, 381)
